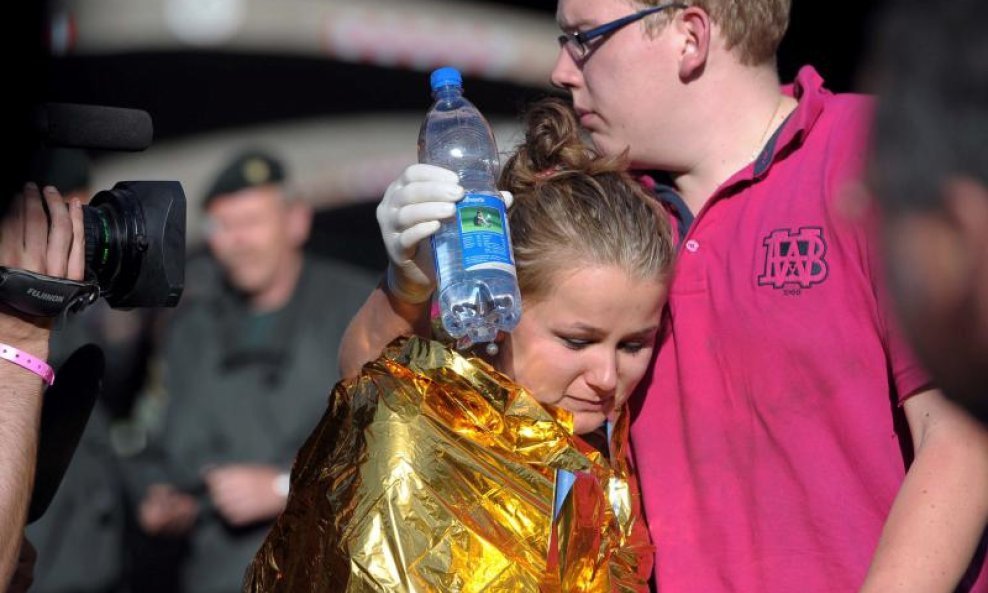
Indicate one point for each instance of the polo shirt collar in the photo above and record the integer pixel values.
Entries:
(808, 90)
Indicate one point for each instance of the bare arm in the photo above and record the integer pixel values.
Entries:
(941, 510)
(20, 416)
(28, 241)
(381, 319)
(24, 574)
(410, 211)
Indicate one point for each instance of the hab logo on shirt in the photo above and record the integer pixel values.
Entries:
(794, 260)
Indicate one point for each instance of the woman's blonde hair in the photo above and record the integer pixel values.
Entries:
(574, 207)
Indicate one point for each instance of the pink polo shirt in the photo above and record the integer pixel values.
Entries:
(769, 444)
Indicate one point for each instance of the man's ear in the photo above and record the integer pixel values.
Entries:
(966, 205)
(948, 248)
(693, 25)
(299, 221)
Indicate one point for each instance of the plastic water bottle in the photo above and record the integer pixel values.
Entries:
(478, 290)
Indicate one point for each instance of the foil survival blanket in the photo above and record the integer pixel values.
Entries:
(434, 472)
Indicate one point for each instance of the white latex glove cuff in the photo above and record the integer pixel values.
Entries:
(414, 296)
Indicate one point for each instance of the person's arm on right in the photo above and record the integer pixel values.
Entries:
(409, 213)
(939, 516)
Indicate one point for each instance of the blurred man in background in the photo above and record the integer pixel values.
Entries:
(250, 360)
(929, 172)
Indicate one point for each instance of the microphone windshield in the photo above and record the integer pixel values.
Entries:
(73, 125)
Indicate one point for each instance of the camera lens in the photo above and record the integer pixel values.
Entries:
(135, 243)
(115, 239)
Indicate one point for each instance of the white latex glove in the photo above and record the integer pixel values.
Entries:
(411, 211)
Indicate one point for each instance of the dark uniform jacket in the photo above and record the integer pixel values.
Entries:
(80, 537)
(248, 389)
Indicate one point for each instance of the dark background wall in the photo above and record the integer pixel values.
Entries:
(172, 86)
(192, 93)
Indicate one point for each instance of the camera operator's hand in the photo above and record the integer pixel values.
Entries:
(53, 245)
(30, 242)
(411, 210)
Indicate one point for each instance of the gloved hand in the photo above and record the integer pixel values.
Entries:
(412, 209)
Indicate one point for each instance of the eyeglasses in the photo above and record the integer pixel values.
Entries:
(578, 43)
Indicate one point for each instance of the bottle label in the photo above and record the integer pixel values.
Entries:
(484, 233)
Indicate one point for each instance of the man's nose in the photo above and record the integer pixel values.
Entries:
(565, 72)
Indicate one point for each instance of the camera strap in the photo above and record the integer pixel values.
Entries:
(39, 295)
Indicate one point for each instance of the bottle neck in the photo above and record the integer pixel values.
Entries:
(447, 92)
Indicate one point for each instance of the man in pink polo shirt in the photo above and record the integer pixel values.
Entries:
(787, 441)
(769, 442)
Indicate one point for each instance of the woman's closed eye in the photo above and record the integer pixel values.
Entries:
(575, 343)
(632, 347)
(635, 343)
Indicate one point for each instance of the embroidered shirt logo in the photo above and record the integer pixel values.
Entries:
(794, 260)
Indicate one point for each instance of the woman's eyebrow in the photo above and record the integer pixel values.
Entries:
(644, 333)
(584, 327)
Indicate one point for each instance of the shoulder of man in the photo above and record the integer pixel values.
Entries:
(340, 278)
(855, 107)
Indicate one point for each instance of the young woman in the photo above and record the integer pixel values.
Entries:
(439, 472)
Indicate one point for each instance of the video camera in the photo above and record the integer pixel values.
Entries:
(135, 257)
(134, 232)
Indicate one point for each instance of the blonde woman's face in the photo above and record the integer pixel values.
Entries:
(586, 345)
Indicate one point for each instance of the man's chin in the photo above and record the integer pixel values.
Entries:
(607, 145)
(245, 283)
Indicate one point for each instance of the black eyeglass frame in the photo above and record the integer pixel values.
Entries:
(580, 39)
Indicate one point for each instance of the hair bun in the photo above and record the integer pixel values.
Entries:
(553, 148)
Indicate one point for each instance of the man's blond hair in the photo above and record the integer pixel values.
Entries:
(753, 28)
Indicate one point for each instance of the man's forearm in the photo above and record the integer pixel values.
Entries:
(20, 415)
(380, 320)
(43, 235)
(940, 513)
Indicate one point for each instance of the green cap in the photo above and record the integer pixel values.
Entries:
(251, 168)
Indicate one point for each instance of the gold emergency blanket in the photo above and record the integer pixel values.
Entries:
(434, 472)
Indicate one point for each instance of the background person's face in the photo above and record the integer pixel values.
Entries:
(250, 236)
(586, 345)
(938, 278)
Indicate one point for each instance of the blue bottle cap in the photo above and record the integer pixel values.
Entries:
(445, 77)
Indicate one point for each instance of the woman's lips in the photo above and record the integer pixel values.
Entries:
(579, 404)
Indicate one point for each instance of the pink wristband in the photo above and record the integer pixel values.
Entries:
(23, 359)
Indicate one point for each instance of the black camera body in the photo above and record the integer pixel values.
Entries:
(135, 243)
(134, 232)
